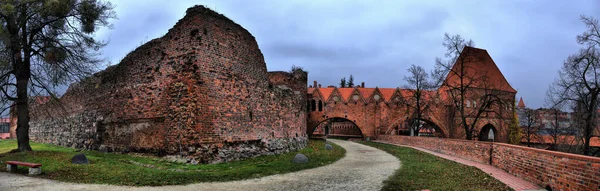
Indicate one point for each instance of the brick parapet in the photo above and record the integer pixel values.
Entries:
(557, 170)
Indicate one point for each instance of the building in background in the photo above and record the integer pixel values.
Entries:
(5, 128)
(555, 129)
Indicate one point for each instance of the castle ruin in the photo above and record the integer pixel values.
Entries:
(202, 91)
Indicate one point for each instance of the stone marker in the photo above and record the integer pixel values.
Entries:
(300, 158)
(328, 147)
(79, 159)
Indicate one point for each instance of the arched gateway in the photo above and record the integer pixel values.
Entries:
(377, 111)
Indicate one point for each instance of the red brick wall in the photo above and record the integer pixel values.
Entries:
(381, 117)
(560, 171)
(201, 91)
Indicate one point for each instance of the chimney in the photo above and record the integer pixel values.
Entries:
(319, 85)
(310, 86)
(362, 84)
(315, 84)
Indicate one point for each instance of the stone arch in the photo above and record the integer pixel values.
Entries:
(440, 131)
(337, 127)
(488, 133)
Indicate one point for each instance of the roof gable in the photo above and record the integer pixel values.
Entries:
(316, 93)
(478, 66)
(326, 92)
(366, 92)
(345, 93)
(335, 95)
(387, 93)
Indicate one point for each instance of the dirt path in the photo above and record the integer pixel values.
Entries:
(363, 168)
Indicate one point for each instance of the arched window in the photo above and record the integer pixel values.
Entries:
(313, 103)
(468, 103)
(474, 103)
(307, 105)
(320, 105)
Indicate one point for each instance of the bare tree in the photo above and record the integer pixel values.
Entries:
(530, 123)
(466, 84)
(578, 83)
(48, 43)
(420, 99)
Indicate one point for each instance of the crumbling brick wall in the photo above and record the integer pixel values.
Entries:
(201, 91)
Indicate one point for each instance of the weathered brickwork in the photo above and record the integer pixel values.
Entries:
(557, 170)
(381, 111)
(201, 91)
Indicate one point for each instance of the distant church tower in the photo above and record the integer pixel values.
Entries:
(521, 104)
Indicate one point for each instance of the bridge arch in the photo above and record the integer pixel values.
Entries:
(337, 127)
(406, 121)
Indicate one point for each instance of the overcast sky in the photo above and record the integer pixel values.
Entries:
(377, 42)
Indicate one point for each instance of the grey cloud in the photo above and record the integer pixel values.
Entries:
(378, 41)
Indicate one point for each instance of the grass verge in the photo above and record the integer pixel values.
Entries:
(123, 169)
(420, 170)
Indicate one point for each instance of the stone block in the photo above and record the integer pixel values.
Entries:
(328, 147)
(35, 171)
(79, 159)
(11, 167)
(300, 158)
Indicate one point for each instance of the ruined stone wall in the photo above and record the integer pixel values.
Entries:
(549, 169)
(202, 91)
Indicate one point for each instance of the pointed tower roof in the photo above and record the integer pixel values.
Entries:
(521, 104)
(478, 65)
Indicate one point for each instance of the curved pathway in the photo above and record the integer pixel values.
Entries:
(363, 168)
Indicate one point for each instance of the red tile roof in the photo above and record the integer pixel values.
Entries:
(366, 92)
(405, 93)
(310, 90)
(478, 64)
(345, 93)
(326, 92)
(387, 93)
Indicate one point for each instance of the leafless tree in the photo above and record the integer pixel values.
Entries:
(530, 123)
(466, 84)
(421, 99)
(47, 43)
(578, 83)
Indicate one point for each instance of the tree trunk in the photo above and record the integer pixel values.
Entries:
(586, 145)
(469, 133)
(22, 113)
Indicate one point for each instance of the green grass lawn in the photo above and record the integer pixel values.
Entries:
(420, 170)
(123, 169)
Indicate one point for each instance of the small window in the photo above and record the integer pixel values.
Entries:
(468, 103)
(4, 128)
(307, 105)
(313, 103)
(474, 104)
(320, 105)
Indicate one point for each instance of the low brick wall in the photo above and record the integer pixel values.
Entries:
(559, 171)
(472, 150)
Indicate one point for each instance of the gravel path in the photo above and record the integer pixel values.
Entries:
(363, 168)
